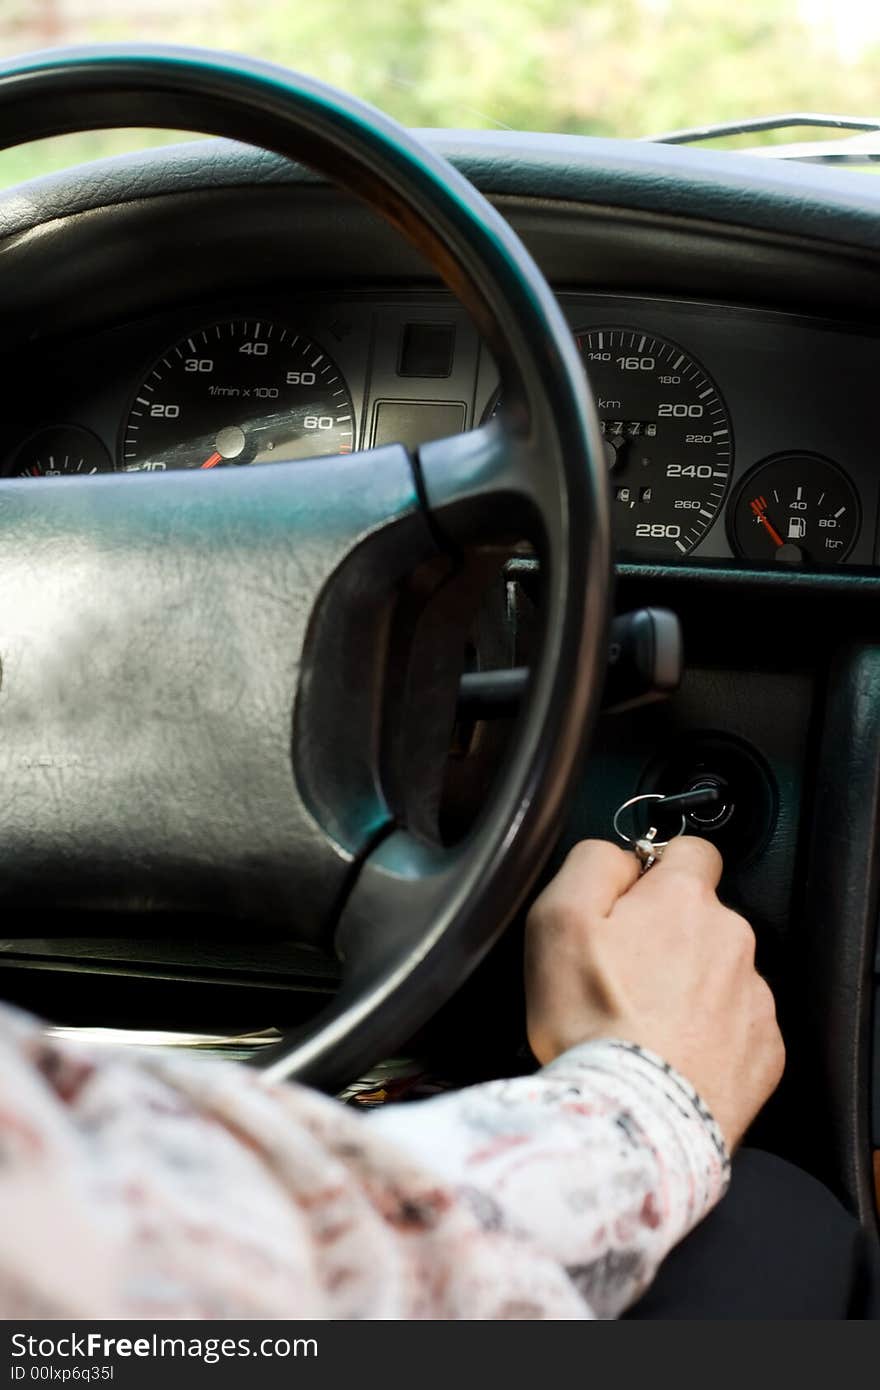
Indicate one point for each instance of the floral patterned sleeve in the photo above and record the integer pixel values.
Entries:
(179, 1187)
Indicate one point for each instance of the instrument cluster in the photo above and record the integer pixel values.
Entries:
(728, 433)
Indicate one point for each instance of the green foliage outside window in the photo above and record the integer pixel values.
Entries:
(599, 67)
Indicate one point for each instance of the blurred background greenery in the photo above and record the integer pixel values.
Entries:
(601, 67)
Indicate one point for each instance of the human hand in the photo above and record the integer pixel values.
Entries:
(655, 960)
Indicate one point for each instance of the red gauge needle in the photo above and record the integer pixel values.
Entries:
(759, 507)
(215, 458)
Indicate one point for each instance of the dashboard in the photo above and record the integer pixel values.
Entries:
(730, 433)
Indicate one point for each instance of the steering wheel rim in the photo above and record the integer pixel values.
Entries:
(540, 466)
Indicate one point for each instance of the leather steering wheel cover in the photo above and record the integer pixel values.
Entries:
(489, 271)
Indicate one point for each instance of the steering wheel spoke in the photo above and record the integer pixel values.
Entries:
(392, 936)
(484, 484)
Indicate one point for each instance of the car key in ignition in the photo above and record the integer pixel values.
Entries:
(647, 848)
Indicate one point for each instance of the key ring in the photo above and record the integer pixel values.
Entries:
(647, 848)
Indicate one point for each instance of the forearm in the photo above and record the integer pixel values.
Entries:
(602, 1161)
(174, 1187)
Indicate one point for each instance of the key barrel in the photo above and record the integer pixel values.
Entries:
(741, 819)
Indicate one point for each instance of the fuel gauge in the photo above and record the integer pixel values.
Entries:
(61, 451)
(795, 509)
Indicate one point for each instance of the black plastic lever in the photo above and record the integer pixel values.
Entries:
(644, 664)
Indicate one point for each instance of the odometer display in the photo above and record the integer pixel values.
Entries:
(238, 392)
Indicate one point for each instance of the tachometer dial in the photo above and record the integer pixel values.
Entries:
(668, 440)
(61, 451)
(795, 508)
(238, 392)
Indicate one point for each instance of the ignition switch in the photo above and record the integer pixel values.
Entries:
(715, 814)
(742, 818)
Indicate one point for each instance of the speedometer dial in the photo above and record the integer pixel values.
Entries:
(237, 392)
(668, 440)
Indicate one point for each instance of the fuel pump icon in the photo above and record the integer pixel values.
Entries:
(797, 528)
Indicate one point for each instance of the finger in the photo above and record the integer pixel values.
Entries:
(595, 874)
(690, 855)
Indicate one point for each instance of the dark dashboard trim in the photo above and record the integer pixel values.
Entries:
(110, 240)
(839, 928)
(716, 186)
(713, 575)
(719, 577)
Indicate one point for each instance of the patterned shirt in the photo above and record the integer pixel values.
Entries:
(181, 1187)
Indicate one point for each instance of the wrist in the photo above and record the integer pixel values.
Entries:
(666, 1108)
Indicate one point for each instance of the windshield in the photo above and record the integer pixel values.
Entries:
(593, 67)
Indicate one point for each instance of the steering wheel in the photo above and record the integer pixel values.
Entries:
(205, 679)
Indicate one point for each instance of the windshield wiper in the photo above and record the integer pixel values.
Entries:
(751, 124)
